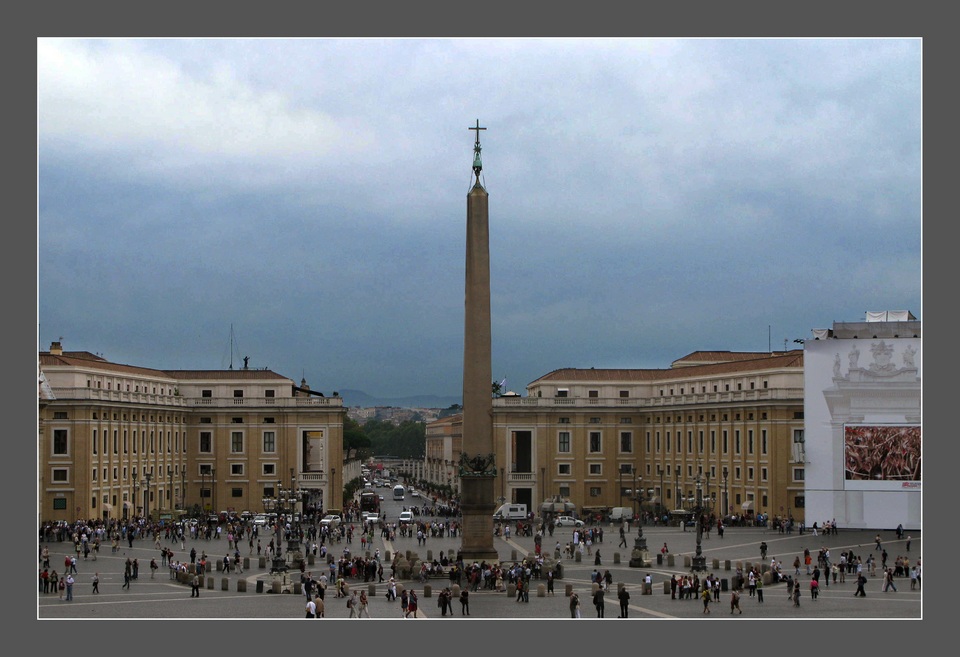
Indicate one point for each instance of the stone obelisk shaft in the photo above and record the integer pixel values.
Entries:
(477, 501)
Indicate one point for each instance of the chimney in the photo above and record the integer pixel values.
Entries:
(56, 349)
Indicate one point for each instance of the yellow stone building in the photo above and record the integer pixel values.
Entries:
(603, 438)
(117, 440)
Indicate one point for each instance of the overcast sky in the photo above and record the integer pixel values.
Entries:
(648, 198)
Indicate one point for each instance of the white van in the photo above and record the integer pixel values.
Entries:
(398, 492)
(405, 517)
(511, 512)
(620, 514)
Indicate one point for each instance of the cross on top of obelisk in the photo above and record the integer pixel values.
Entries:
(477, 166)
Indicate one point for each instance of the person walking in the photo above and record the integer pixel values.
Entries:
(464, 603)
(364, 610)
(598, 601)
(96, 582)
(311, 608)
(735, 601)
(574, 605)
(550, 578)
(195, 586)
(877, 540)
(412, 604)
(624, 596)
(888, 580)
(759, 582)
(705, 596)
(796, 592)
(70, 582)
(861, 581)
(623, 538)
(404, 603)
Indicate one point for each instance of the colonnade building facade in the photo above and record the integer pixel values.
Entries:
(118, 440)
(639, 438)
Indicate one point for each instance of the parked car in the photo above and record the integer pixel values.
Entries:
(330, 520)
(414, 494)
(565, 521)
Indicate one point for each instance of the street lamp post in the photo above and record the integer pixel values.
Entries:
(640, 557)
(660, 493)
(170, 489)
(133, 498)
(679, 498)
(146, 496)
(699, 563)
(213, 486)
(726, 500)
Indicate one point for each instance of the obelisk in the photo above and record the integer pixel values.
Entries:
(477, 465)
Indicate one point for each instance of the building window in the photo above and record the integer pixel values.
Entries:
(749, 474)
(763, 441)
(725, 445)
(563, 469)
(658, 442)
(269, 469)
(763, 476)
(94, 477)
(60, 415)
(648, 441)
(59, 503)
(206, 420)
(237, 394)
(60, 475)
(594, 420)
(206, 442)
(626, 468)
(700, 440)
(269, 441)
(736, 473)
(236, 441)
(626, 420)
(626, 442)
(736, 441)
(564, 420)
(94, 441)
(713, 441)
(236, 469)
(593, 394)
(594, 442)
(595, 469)
(798, 474)
(594, 491)
(563, 442)
(562, 392)
(624, 394)
(60, 442)
(236, 420)
(269, 394)
(236, 492)
(799, 501)
(206, 394)
(749, 441)
(269, 420)
(690, 442)
(564, 491)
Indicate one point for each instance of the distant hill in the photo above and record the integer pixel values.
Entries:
(360, 399)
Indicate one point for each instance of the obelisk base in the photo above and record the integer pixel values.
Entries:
(477, 518)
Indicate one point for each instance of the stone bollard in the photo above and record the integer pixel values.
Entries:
(724, 585)
(430, 555)
(246, 563)
(310, 559)
(259, 586)
(716, 564)
(210, 582)
(670, 560)
(739, 565)
(192, 568)
(616, 558)
(427, 591)
(455, 591)
(726, 564)
(387, 557)
(219, 565)
(767, 577)
(409, 554)
(687, 561)
(568, 590)
(511, 590)
(224, 583)
(513, 555)
(400, 589)
(666, 587)
(276, 586)
(577, 557)
(241, 586)
(647, 589)
(346, 588)
(298, 588)
(263, 562)
(371, 590)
